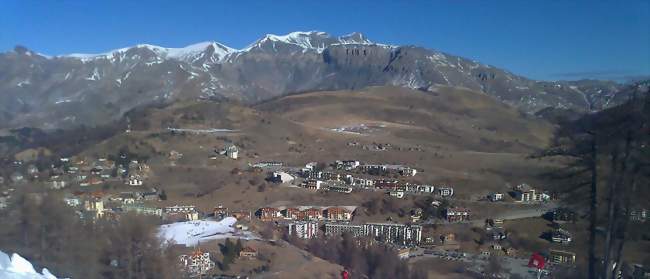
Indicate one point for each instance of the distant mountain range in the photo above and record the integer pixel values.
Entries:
(69, 90)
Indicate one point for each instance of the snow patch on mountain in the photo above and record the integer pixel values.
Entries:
(17, 267)
(183, 54)
(310, 40)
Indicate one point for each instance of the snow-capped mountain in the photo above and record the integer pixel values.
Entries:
(17, 267)
(63, 91)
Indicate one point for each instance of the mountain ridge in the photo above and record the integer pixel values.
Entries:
(88, 89)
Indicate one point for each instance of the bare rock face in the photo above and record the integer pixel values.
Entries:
(90, 89)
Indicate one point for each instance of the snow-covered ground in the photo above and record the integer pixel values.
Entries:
(17, 267)
(190, 233)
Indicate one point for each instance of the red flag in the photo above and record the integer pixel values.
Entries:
(537, 261)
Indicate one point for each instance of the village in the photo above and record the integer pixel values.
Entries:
(411, 238)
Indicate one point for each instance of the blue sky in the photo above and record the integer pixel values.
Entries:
(545, 39)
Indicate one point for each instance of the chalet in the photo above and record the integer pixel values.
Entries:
(347, 165)
(96, 206)
(134, 181)
(308, 169)
(494, 197)
(281, 177)
(57, 184)
(496, 246)
(313, 184)
(563, 215)
(125, 198)
(561, 236)
(196, 264)
(525, 193)
(72, 202)
(373, 169)
(175, 155)
(396, 194)
(406, 171)
(639, 215)
(562, 257)
(180, 209)
(392, 185)
(330, 176)
(232, 152)
(248, 253)
(338, 214)
(497, 234)
(335, 187)
(416, 215)
(152, 195)
(457, 214)
(429, 189)
(304, 230)
(445, 191)
(268, 214)
(220, 212)
(144, 210)
(360, 182)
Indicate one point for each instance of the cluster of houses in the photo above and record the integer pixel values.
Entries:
(98, 204)
(197, 263)
(86, 172)
(351, 174)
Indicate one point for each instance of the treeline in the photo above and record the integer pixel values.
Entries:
(50, 234)
(361, 257)
(607, 173)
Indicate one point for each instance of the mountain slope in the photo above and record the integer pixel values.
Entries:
(70, 90)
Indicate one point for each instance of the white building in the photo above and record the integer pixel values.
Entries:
(347, 165)
(495, 197)
(526, 193)
(406, 171)
(282, 177)
(232, 152)
(394, 233)
(133, 181)
(198, 263)
(396, 194)
(445, 191)
(58, 184)
(305, 230)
